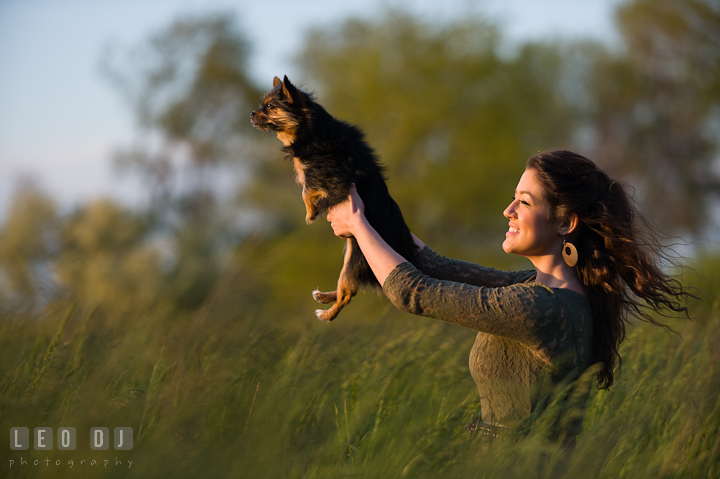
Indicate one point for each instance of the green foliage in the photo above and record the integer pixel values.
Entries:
(104, 260)
(191, 95)
(26, 241)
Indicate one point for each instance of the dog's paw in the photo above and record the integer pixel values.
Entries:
(324, 315)
(324, 298)
(310, 219)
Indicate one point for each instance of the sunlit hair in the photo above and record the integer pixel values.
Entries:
(620, 258)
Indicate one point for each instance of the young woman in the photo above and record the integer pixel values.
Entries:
(596, 264)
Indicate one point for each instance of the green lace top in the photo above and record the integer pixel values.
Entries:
(533, 341)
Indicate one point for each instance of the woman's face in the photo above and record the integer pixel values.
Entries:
(533, 231)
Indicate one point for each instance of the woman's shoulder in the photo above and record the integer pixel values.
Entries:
(545, 303)
(563, 320)
(523, 276)
(561, 296)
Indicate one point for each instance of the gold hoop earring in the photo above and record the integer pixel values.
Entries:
(569, 253)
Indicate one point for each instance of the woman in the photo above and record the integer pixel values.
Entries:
(538, 331)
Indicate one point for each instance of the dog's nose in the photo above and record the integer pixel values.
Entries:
(252, 114)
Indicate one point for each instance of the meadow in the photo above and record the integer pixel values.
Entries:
(244, 386)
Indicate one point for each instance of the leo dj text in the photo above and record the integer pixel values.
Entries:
(66, 438)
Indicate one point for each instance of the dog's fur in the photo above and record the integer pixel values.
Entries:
(329, 155)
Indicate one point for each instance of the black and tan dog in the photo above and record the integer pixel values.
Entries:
(329, 155)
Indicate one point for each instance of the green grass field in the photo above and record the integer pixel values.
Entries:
(245, 387)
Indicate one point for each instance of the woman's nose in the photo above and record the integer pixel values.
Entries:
(509, 211)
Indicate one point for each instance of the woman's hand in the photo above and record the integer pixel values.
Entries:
(348, 220)
(345, 217)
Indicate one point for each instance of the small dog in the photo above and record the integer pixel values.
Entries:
(329, 155)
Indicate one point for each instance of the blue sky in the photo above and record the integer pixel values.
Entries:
(60, 120)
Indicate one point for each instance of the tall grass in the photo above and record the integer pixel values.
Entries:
(251, 389)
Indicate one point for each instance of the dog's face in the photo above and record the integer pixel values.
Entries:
(280, 111)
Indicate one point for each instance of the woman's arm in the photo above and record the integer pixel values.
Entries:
(442, 267)
(516, 312)
(348, 219)
(527, 313)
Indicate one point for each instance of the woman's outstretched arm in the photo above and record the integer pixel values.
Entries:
(348, 219)
(513, 312)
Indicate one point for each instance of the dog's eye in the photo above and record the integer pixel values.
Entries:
(268, 106)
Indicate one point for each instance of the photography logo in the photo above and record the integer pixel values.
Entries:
(66, 438)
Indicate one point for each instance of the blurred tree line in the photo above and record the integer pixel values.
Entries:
(452, 112)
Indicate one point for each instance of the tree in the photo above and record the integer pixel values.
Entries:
(189, 89)
(104, 259)
(657, 105)
(27, 240)
(455, 119)
(191, 95)
(452, 118)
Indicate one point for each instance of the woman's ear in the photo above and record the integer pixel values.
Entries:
(569, 224)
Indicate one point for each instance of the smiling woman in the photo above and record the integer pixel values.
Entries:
(538, 330)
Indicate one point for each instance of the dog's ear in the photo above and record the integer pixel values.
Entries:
(289, 90)
(276, 82)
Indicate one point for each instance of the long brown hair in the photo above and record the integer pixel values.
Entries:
(620, 258)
